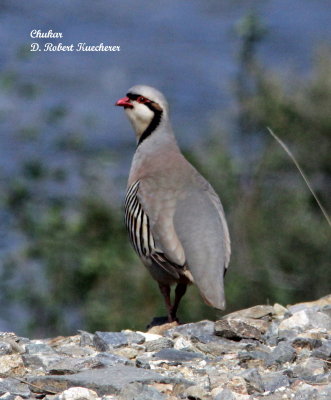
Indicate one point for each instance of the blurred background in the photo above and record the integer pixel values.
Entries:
(229, 70)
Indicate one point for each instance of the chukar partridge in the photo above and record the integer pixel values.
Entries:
(175, 219)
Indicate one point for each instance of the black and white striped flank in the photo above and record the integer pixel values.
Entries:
(141, 237)
(137, 223)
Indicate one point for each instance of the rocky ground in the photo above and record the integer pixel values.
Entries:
(264, 352)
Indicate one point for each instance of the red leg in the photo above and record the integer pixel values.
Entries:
(179, 293)
(165, 290)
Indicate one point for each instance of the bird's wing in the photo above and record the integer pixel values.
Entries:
(201, 227)
(159, 204)
(189, 226)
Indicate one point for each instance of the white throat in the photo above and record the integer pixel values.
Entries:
(140, 117)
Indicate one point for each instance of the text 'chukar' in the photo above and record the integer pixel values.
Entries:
(174, 217)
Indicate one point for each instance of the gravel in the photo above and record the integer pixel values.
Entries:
(264, 352)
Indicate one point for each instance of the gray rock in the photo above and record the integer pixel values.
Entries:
(14, 341)
(214, 340)
(139, 391)
(176, 355)
(205, 338)
(194, 329)
(309, 368)
(131, 365)
(254, 355)
(314, 305)
(159, 344)
(104, 381)
(77, 393)
(325, 393)
(110, 360)
(218, 347)
(306, 319)
(276, 396)
(255, 312)
(33, 348)
(143, 362)
(14, 387)
(75, 350)
(286, 336)
(323, 351)
(86, 338)
(306, 393)
(5, 348)
(195, 392)
(326, 310)
(308, 343)
(274, 380)
(40, 360)
(225, 394)
(67, 365)
(253, 380)
(9, 396)
(302, 307)
(134, 337)
(318, 379)
(282, 353)
(236, 329)
(104, 341)
(270, 336)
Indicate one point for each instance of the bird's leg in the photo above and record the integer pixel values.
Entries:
(165, 290)
(179, 293)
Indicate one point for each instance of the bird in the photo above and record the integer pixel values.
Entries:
(174, 217)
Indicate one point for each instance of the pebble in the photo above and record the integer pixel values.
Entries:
(33, 348)
(253, 380)
(195, 392)
(237, 329)
(193, 329)
(255, 312)
(176, 355)
(274, 380)
(86, 338)
(159, 344)
(138, 391)
(105, 341)
(324, 351)
(225, 394)
(134, 337)
(281, 354)
(11, 364)
(5, 348)
(150, 336)
(77, 393)
(309, 368)
(14, 387)
(305, 319)
(263, 352)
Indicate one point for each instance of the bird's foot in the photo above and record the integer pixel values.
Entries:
(157, 321)
(161, 324)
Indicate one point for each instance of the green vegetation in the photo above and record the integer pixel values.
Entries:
(76, 269)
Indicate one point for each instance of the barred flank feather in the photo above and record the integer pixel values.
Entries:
(137, 223)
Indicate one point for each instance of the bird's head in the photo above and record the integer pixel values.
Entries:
(145, 107)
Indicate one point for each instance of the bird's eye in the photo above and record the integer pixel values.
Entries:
(142, 99)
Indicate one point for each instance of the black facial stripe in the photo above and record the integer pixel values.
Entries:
(156, 119)
(154, 123)
(132, 96)
(149, 103)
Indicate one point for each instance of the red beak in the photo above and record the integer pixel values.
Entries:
(124, 102)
